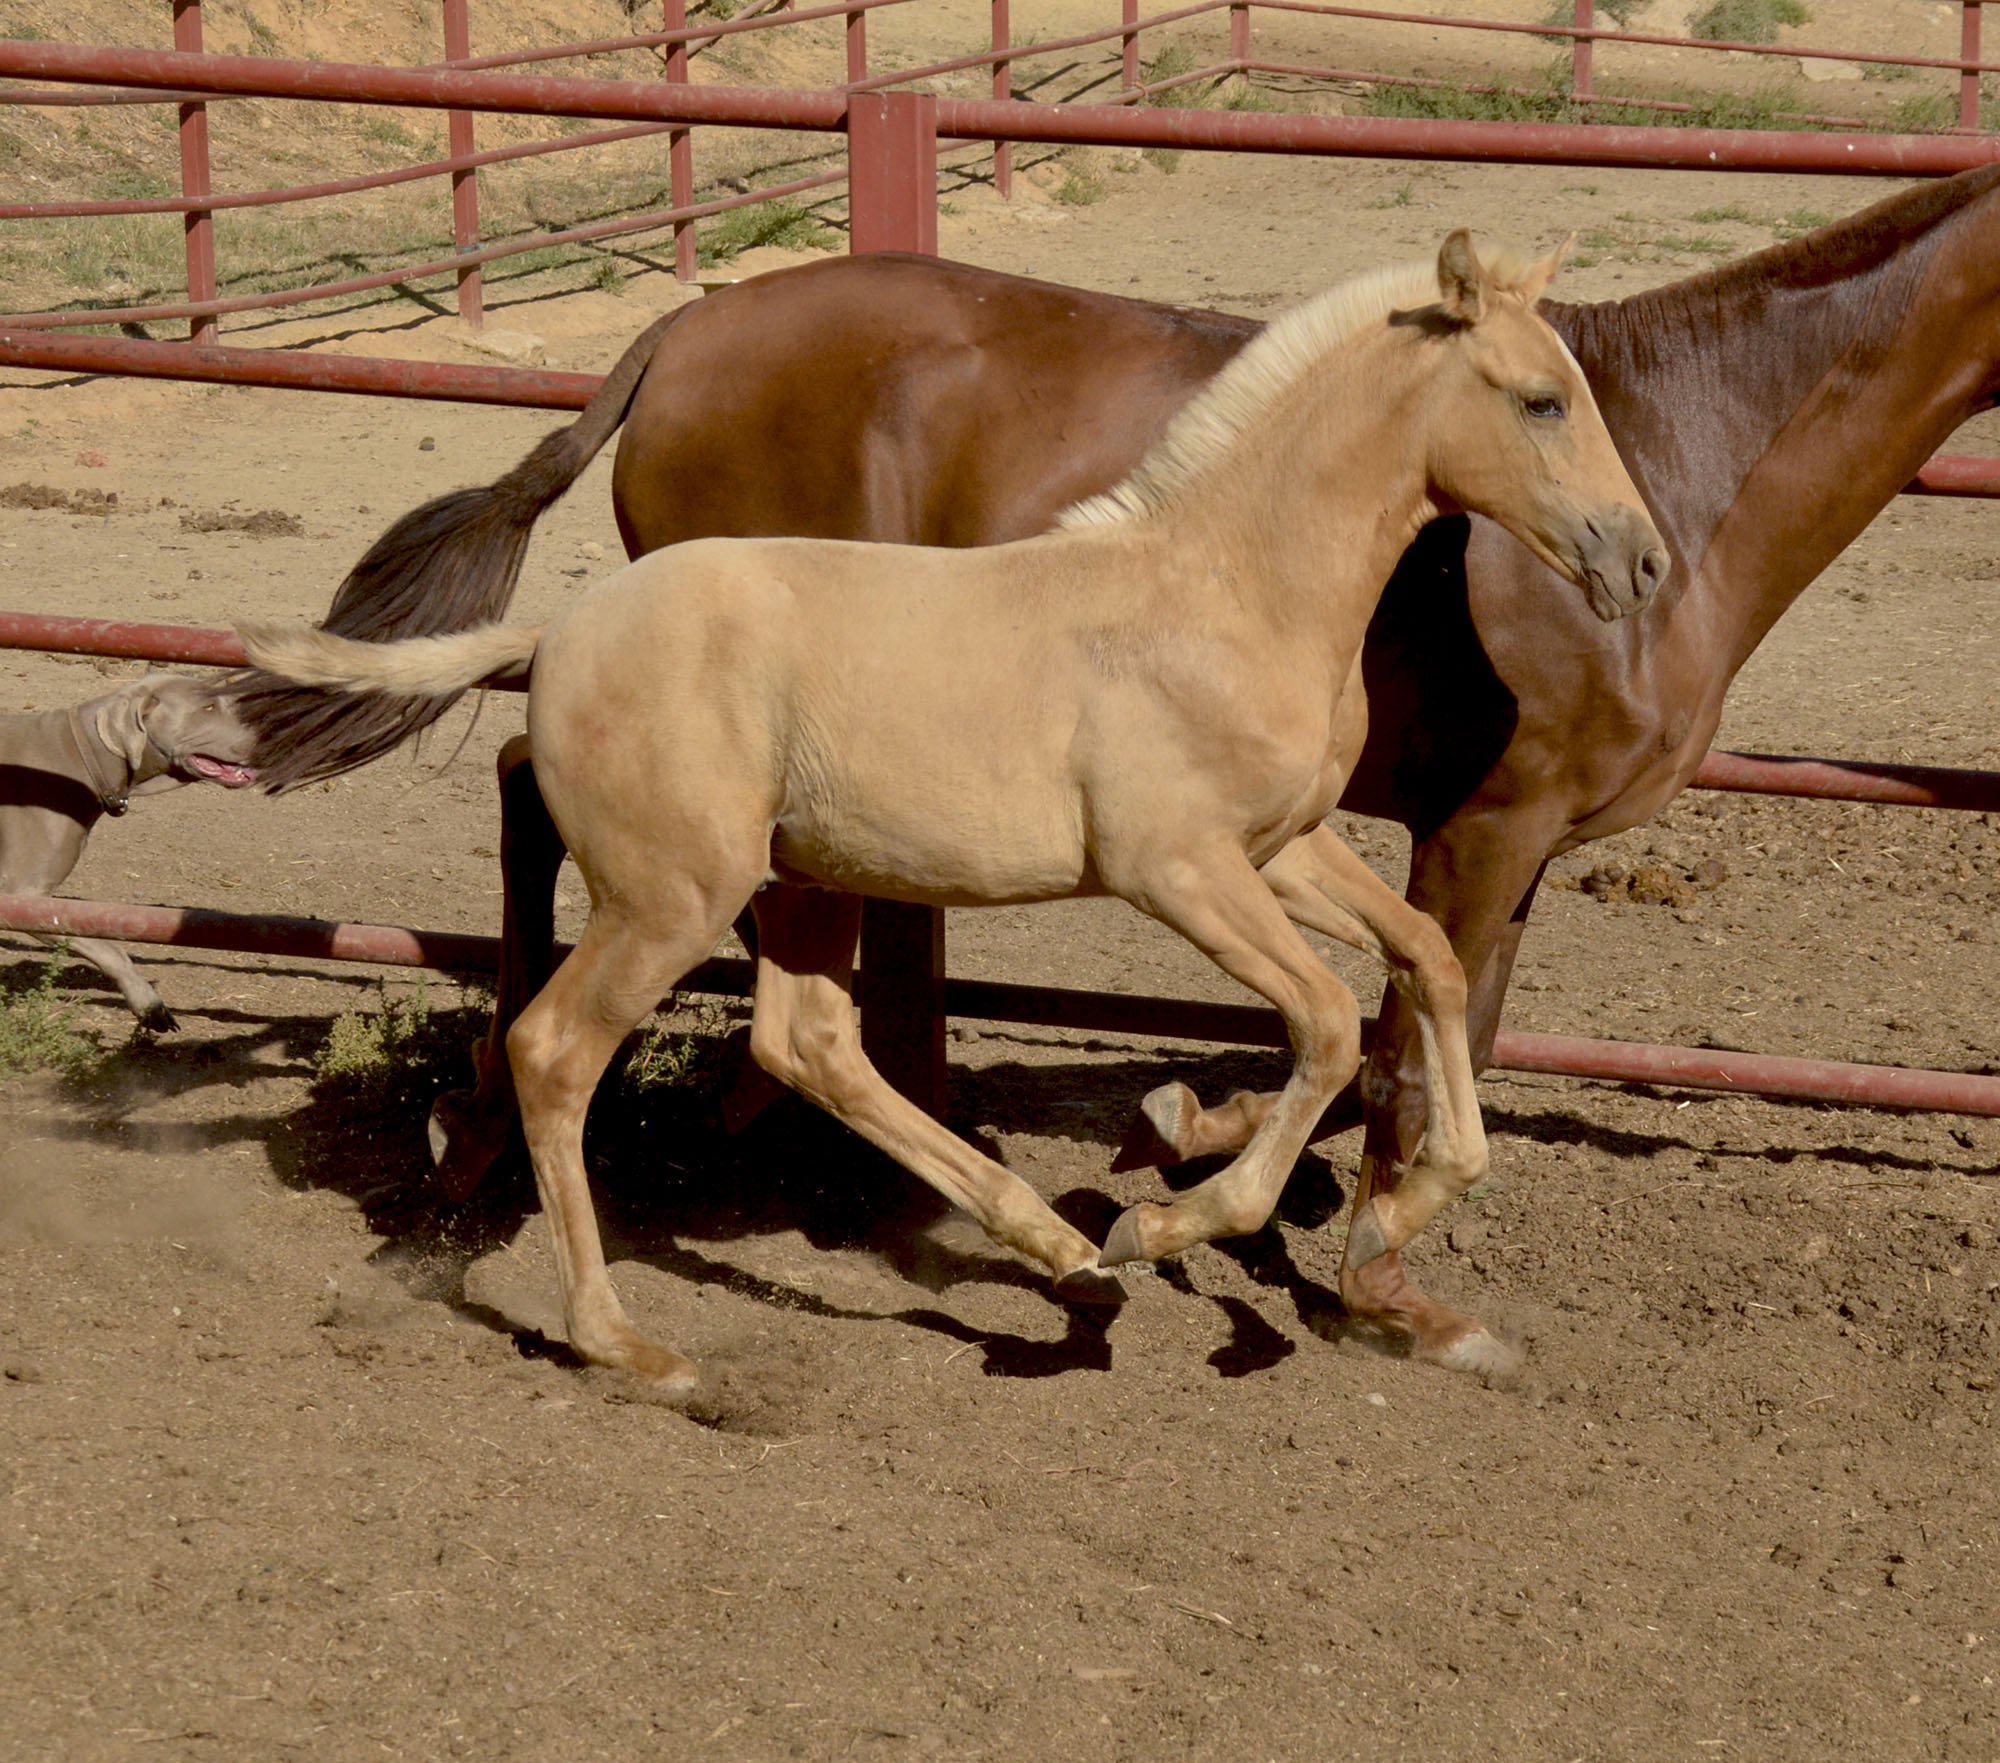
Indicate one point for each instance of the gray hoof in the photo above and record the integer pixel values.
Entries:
(1125, 1242)
(1090, 1285)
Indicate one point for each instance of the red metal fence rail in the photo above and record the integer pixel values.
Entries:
(892, 141)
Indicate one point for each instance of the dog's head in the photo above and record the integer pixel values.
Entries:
(173, 729)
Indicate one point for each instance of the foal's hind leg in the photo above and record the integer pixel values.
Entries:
(620, 969)
(803, 1034)
(1225, 908)
(468, 1129)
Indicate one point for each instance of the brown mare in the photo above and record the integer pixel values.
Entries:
(1768, 410)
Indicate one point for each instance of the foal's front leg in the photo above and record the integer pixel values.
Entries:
(1324, 886)
(1228, 911)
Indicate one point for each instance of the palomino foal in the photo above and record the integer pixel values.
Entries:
(1154, 701)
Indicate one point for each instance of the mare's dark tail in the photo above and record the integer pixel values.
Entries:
(444, 567)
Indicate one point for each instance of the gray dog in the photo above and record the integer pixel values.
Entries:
(60, 770)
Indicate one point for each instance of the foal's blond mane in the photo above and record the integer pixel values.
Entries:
(1268, 366)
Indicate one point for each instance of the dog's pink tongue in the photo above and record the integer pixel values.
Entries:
(222, 771)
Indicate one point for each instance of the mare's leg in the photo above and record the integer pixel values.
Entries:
(803, 1033)
(1478, 883)
(468, 1130)
(1229, 912)
(628, 958)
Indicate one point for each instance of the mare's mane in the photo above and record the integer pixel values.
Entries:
(1260, 375)
(1899, 233)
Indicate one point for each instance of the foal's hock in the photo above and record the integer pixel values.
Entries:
(1157, 702)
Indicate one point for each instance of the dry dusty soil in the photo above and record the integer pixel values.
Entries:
(293, 1461)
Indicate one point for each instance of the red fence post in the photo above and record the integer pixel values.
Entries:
(1129, 17)
(857, 47)
(892, 206)
(1239, 33)
(199, 224)
(1003, 91)
(1968, 50)
(1580, 51)
(464, 184)
(680, 149)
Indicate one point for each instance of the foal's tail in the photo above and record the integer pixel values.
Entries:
(426, 667)
(447, 566)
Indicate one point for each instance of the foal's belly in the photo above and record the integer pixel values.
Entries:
(969, 850)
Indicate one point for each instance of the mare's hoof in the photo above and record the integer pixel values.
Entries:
(157, 1019)
(1153, 1141)
(1481, 1355)
(460, 1155)
(1090, 1285)
(1127, 1240)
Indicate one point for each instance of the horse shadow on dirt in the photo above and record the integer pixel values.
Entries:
(673, 1188)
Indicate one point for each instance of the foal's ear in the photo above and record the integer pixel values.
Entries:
(1540, 276)
(1462, 282)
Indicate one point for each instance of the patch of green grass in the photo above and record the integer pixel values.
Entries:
(1082, 182)
(1887, 70)
(1695, 245)
(1924, 111)
(10, 146)
(1801, 220)
(21, 33)
(1584, 260)
(1457, 104)
(384, 131)
(127, 182)
(664, 1089)
(1400, 197)
(1166, 159)
(263, 40)
(1247, 95)
(769, 223)
(1747, 21)
(607, 275)
(1735, 212)
(393, 1061)
(1619, 12)
(1171, 62)
(39, 1032)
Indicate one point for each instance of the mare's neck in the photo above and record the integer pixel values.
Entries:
(1769, 411)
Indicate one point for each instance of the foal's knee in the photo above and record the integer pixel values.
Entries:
(1430, 974)
(1331, 1041)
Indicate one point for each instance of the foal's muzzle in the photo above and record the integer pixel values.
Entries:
(1621, 563)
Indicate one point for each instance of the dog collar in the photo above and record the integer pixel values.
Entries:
(116, 796)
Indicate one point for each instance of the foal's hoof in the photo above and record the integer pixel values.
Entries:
(461, 1152)
(671, 1376)
(1481, 1355)
(1154, 1140)
(1129, 1237)
(1090, 1285)
(157, 1019)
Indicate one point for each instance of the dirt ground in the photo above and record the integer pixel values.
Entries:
(295, 1464)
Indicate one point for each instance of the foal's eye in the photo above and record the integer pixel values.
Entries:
(1548, 409)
